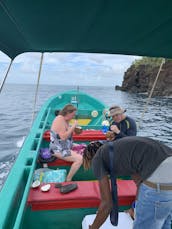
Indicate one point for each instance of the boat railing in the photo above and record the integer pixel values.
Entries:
(13, 196)
(24, 198)
(15, 191)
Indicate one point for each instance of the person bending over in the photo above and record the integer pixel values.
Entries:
(61, 139)
(149, 162)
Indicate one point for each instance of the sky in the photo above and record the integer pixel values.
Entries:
(81, 69)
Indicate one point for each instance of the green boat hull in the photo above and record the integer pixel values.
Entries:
(14, 194)
(13, 197)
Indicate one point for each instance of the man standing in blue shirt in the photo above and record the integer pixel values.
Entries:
(122, 125)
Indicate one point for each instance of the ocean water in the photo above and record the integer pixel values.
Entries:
(16, 112)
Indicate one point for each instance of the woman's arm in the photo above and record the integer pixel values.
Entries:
(59, 126)
(65, 133)
(105, 205)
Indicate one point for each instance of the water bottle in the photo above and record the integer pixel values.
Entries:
(105, 129)
(105, 126)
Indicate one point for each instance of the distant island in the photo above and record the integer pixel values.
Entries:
(139, 78)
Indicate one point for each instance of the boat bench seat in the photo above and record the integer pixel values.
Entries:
(86, 135)
(59, 162)
(89, 135)
(86, 196)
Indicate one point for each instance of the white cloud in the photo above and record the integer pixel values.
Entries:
(4, 58)
(69, 68)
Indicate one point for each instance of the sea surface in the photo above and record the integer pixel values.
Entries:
(17, 105)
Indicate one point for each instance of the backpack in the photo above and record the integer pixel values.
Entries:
(46, 155)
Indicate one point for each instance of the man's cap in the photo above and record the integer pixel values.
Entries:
(115, 110)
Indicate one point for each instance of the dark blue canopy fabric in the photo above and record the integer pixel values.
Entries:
(94, 26)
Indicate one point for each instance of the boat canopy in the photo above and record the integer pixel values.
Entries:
(93, 26)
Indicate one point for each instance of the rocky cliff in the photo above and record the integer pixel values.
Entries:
(140, 79)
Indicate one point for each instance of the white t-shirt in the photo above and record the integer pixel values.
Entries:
(163, 172)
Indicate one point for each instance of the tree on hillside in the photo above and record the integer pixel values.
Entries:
(151, 61)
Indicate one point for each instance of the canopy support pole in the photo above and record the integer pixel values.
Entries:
(37, 86)
(5, 77)
(151, 92)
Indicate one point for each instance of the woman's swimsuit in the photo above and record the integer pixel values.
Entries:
(58, 145)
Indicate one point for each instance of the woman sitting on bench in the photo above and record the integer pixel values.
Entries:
(61, 139)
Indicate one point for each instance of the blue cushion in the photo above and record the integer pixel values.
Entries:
(54, 176)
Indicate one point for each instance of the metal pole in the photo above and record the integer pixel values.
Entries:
(36, 92)
(5, 77)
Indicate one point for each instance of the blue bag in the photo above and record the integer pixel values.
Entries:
(47, 175)
(46, 155)
(54, 176)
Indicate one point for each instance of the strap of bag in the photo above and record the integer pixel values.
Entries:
(114, 212)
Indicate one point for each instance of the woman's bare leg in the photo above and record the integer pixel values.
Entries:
(77, 162)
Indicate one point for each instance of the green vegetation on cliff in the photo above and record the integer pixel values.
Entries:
(152, 62)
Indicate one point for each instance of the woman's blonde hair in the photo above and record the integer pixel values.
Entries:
(69, 108)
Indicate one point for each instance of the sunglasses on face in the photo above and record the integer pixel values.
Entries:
(116, 115)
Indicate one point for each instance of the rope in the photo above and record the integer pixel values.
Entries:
(37, 86)
(151, 92)
(77, 102)
(5, 77)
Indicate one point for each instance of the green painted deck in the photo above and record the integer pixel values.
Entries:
(14, 193)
